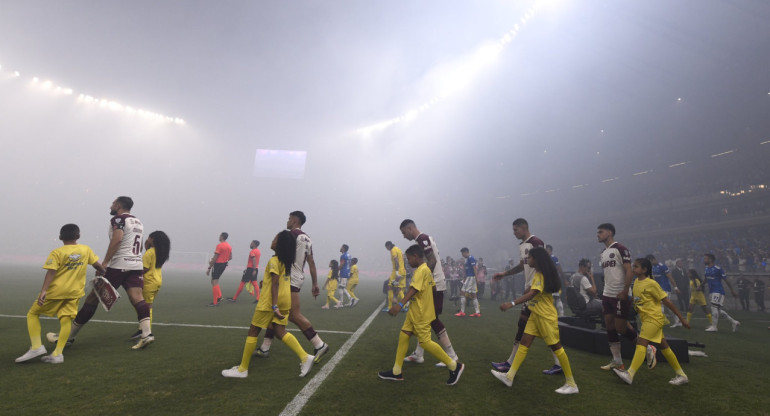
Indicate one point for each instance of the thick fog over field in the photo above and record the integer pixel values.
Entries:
(461, 115)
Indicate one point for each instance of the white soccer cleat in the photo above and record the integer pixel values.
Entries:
(143, 342)
(711, 329)
(338, 305)
(37, 352)
(613, 365)
(53, 359)
(736, 324)
(413, 358)
(235, 373)
(502, 377)
(441, 365)
(624, 375)
(651, 356)
(676, 324)
(679, 380)
(567, 389)
(52, 337)
(305, 367)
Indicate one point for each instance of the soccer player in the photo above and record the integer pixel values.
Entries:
(714, 277)
(63, 286)
(697, 297)
(662, 275)
(223, 253)
(304, 255)
(397, 280)
(469, 288)
(344, 274)
(528, 242)
(648, 296)
(331, 285)
(543, 321)
(353, 282)
(250, 274)
(556, 296)
(273, 307)
(429, 248)
(123, 264)
(421, 313)
(157, 248)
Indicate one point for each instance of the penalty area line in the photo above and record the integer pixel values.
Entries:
(301, 399)
(180, 325)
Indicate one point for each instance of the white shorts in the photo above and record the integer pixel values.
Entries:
(717, 299)
(470, 285)
(297, 281)
(342, 283)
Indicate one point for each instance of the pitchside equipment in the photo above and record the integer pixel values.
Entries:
(105, 292)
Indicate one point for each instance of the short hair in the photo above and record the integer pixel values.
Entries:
(464, 250)
(345, 247)
(607, 226)
(354, 260)
(584, 262)
(711, 256)
(548, 247)
(300, 216)
(405, 223)
(520, 221)
(69, 232)
(125, 202)
(388, 244)
(650, 257)
(415, 250)
(255, 242)
(225, 235)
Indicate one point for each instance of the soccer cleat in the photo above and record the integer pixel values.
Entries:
(388, 375)
(338, 305)
(212, 304)
(475, 315)
(136, 334)
(305, 367)
(413, 358)
(235, 373)
(219, 299)
(325, 307)
(259, 352)
(613, 365)
(460, 314)
(712, 328)
(567, 389)
(53, 338)
(624, 375)
(454, 376)
(145, 341)
(502, 377)
(679, 380)
(556, 369)
(441, 365)
(37, 352)
(354, 302)
(676, 324)
(651, 356)
(502, 366)
(385, 309)
(320, 352)
(53, 359)
(232, 300)
(736, 324)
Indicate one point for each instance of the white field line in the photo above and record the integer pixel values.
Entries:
(299, 401)
(181, 325)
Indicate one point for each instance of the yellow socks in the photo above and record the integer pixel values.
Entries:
(64, 334)
(640, 353)
(435, 350)
(689, 316)
(564, 363)
(291, 341)
(390, 300)
(521, 354)
(248, 349)
(33, 327)
(671, 358)
(711, 322)
(403, 346)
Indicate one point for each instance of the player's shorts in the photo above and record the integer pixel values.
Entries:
(55, 307)
(342, 282)
(547, 329)
(217, 270)
(250, 275)
(470, 285)
(698, 298)
(421, 330)
(438, 301)
(296, 281)
(149, 291)
(263, 319)
(651, 331)
(717, 299)
(125, 278)
(616, 307)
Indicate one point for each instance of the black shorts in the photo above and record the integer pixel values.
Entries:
(616, 307)
(249, 275)
(217, 271)
(438, 301)
(125, 278)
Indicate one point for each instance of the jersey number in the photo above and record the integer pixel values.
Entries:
(137, 245)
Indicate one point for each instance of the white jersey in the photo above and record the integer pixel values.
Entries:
(524, 247)
(613, 259)
(304, 249)
(429, 245)
(129, 254)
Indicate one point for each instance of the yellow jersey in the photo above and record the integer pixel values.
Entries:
(647, 297)
(153, 275)
(542, 303)
(70, 262)
(275, 270)
(353, 280)
(397, 260)
(421, 305)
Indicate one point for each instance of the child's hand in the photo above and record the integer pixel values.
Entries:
(41, 298)
(277, 314)
(505, 306)
(394, 310)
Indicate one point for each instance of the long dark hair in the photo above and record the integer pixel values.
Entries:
(693, 275)
(544, 264)
(286, 249)
(162, 245)
(646, 264)
(335, 266)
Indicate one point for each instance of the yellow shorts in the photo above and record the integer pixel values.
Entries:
(149, 292)
(331, 286)
(698, 298)
(420, 329)
(55, 307)
(651, 331)
(547, 329)
(263, 319)
(401, 283)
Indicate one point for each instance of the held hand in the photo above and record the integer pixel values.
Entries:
(99, 272)
(623, 295)
(208, 271)
(394, 310)
(41, 298)
(505, 306)
(315, 291)
(498, 276)
(277, 314)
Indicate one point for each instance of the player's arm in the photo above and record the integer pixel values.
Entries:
(274, 293)
(518, 269)
(313, 276)
(673, 308)
(724, 277)
(623, 295)
(431, 260)
(49, 276)
(396, 308)
(523, 298)
(100, 270)
(673, 283)
(112, 248)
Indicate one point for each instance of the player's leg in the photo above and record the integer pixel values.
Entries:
(134, 291)
(403, 346)
(614, 341)
(242, 370)
(518, 359)
(36, 348)
(681, 377)
(306, 360)
(85, 314)
(296, 317)
(246, 278)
